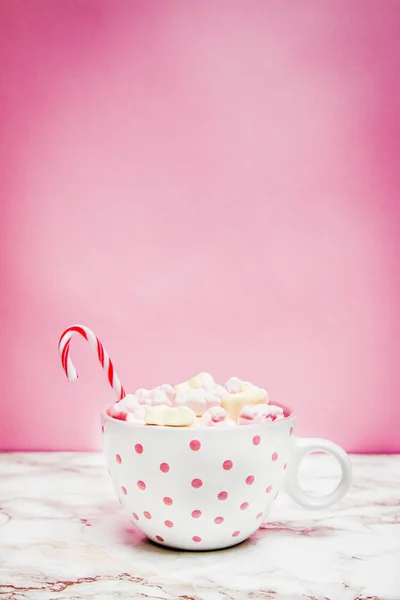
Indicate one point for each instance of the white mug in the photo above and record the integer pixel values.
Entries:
(205, 488)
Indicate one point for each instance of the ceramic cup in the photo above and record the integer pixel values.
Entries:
(208, 488)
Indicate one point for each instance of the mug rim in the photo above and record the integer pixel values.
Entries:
(289, 417)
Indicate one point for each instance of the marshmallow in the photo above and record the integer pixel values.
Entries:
(199, 400)
(234, 385)
(163, 394)
(136, 416)
(260, 413)
(233, 403)
(204, 380)
(158, 397)
(168, 390)
(129, 404)
(188, 402)
(196, 382)
(143, 395)
(171, 416)
(224, 423)
(217, 390)
(216, 417)
(117, 412)
(128, 409)
(254, 390)
(276, 412)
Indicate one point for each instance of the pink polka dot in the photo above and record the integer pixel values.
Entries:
(196, 538)
(159, 538)
(135, 516)
(244, 506)
(222, 495)
(139, 448)
(269, 489)
(235, 533)
(256, 440)
(275, 456)
(147, 514)
(227, 465)
(102, 429)
(218, 520)
(284, 466)
(250, 480)
(259, 515)
(124, 490)
(291, 431)
(195, 445)
(164, 467)
(197, 483)
(141, 485)
(196, 514)
(118, 458)
(168, 524)
(167, 500)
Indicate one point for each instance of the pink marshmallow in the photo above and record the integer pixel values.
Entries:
(129, 404)
(163, 394)
(128, 409)
(143, 396)
(117, 413)
(158, 397)
(137, 416)
(169, 391)
(216, 417)
(259, 413)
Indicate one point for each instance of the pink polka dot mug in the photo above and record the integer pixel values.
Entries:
(204, 488)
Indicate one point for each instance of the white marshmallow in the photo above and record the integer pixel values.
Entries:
(217, 390)
(234, 385)
(170, 416)
(276, 411)
(199, 400)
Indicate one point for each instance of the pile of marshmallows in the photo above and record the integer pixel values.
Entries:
(200, 401)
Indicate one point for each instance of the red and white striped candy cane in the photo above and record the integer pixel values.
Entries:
(97, 346)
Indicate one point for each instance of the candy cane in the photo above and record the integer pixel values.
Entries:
(97, 346)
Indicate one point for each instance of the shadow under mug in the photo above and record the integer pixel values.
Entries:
(204, 488)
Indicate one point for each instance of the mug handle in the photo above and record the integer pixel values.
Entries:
(304, 446)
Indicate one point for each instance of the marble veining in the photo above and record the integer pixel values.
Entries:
(64, 535)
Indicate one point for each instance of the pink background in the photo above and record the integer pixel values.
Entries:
(209, 186)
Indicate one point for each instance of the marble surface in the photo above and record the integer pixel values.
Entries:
(64, 535)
